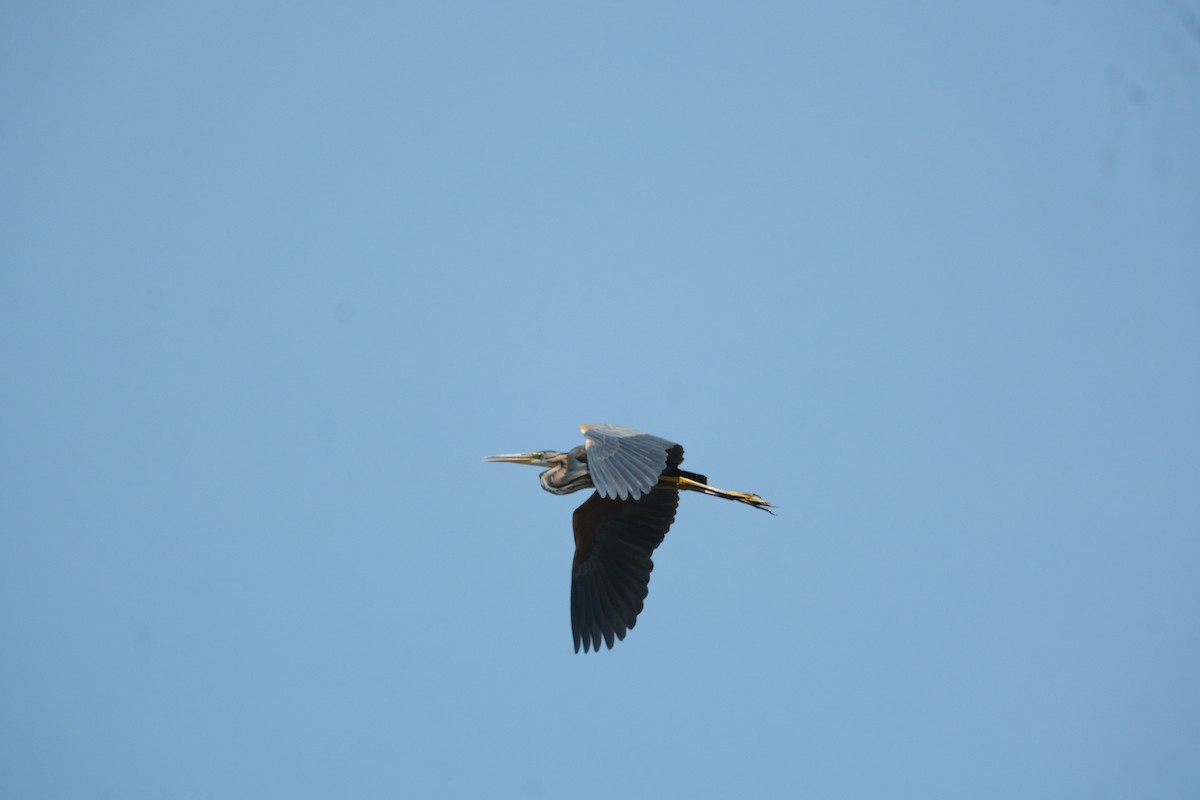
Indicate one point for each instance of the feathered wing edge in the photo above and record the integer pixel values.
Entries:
(610, 576)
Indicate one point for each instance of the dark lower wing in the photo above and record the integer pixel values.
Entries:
(610, 577)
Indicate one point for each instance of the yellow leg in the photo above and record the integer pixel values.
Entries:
(680, 482)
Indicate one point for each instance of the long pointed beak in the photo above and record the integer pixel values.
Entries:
(516, 458)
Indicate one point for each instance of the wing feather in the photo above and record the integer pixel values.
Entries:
(614, 543)
(625, 463)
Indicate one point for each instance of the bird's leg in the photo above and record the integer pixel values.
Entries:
(680, 482)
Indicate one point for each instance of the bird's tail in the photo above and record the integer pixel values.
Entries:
(692, 482)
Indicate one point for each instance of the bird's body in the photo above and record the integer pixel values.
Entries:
(637, 481)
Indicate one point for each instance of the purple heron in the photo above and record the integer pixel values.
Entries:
(637, 481)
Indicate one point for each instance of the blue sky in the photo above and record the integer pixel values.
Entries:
(275, 277)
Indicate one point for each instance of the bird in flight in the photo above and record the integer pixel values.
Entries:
(637, 481)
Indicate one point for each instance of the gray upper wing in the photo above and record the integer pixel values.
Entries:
(625, 463)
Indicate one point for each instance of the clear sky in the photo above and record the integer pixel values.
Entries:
(274, 277)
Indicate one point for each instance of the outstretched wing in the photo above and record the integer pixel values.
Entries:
(625, 463)
(610, 577)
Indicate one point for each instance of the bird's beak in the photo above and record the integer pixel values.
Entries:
(536, 459)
